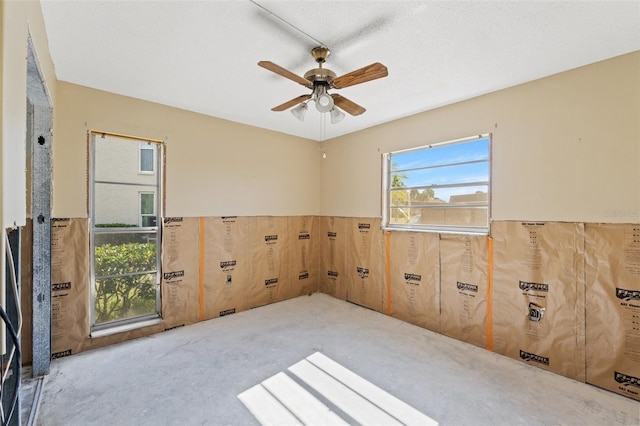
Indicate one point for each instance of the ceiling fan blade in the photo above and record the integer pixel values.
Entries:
(285, 73)
(362, 75)
(292, 102)
(347, 105)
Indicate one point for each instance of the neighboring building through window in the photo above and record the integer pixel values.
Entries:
(442, 187)
(125, 246)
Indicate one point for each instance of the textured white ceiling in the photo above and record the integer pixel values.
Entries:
(202, 55)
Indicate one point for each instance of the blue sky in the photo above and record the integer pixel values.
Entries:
(446, 154)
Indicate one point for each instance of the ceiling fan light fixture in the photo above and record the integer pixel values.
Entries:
(324, 102)
(336, 115)
(320, 80)
(299, 111)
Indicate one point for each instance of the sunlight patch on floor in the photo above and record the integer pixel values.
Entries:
(281, 400)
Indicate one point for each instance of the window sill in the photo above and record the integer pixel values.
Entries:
(108, 331)
(452, 230)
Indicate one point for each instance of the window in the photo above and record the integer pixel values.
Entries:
(443, 187)
(147, 209)
(125, 250)
(147, 154)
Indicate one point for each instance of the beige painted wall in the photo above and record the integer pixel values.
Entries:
(565, 148)
(19, 19)
(214, 167)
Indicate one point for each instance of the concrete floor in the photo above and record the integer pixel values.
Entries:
(192, 375)
(30, 388)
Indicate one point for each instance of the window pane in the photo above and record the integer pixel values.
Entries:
(126, 275)
(149, 220)
(117, 204)
(146, 159)
(125, 253)
(116, 160)
(147, 205)
(457, 195)
(124, 297)
(462, 206)
(445, 175)
(443, 154)
(440, 216)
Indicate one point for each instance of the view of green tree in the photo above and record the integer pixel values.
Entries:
(418, 196)
(121, 296)
(398, 198)
(403, 200)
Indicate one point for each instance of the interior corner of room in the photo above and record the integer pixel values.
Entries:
(499, 208)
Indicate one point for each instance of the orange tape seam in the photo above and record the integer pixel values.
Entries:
(490, 294)
(388, 267)
(201, 270)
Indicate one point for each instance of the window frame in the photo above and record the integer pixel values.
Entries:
(148, 146)
(387, 190)
(130, 323)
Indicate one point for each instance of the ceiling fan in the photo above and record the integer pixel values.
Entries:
(320, 80)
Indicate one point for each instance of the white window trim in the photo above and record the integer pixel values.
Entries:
(441, 229)
(146, 146)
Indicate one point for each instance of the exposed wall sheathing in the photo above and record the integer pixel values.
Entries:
(463, 288)
(439, 282)
(613, 307)
(70, 314)
(333, 254)
(538, 299)
(303, 268)
(227, 265)
(365, 264)
(414, 262)
(180, 271)
(269, 246)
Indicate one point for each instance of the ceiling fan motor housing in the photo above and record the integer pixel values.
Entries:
(320, 75)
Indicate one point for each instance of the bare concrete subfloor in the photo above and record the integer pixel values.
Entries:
(192, 375)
